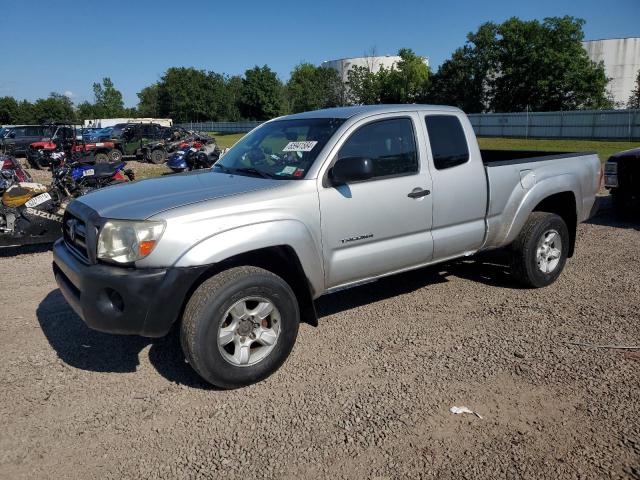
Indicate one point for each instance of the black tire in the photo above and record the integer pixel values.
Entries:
(39, 163)
(115, 155)
(158, 156)
(524, 264)
(101, 157)
(205, 313)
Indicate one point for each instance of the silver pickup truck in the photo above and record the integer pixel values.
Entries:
(302, 206)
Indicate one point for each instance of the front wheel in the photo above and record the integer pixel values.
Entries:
(540, 250)
(115, 155)
(239, 326)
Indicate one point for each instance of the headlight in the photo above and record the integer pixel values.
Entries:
(126, 241)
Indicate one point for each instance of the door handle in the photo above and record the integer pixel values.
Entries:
(418, 193)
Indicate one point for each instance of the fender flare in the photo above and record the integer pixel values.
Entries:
(532, 198)
(239, 240)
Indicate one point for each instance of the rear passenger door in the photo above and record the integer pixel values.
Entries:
(373, 227)
(459, 186)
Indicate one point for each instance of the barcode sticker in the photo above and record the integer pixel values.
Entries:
(299, 146)
(38, 200)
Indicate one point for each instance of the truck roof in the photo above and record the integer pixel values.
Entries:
(365, 110)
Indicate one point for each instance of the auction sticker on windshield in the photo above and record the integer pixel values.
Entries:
(299, 146)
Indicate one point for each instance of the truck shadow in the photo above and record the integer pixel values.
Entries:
(86, 349)
(491, 269)
(609, 216)
(25, 250)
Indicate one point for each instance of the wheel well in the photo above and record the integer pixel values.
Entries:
(564, 205)
(281, 260)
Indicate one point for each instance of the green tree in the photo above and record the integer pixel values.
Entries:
(230, 110)
(312, 88)
(464, 79)
(363, 86)
(186, 94)
(56, 107)
(108, 100)
(523, 64)
(405, 82)
(262, 95)
(148, 101)
(87, 110)
(634, 99)
(8, 110)
(26, 113)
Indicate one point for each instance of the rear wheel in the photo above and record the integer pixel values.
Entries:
(540, 250)
(239, 326)
(158, 156)
(102, 157)
(40, 163)
(115, 155)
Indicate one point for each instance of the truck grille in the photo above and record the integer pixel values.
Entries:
(75, 236)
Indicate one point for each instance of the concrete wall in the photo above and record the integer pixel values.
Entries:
(621, 57)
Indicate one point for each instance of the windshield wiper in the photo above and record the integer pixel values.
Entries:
(253, 171)
(223, 168)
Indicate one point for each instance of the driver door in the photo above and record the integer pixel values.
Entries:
(372, 227)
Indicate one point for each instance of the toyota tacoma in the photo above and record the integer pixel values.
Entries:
(302, 206)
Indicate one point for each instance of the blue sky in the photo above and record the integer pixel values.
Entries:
(65, 46)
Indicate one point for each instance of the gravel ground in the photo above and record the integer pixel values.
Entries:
(366, 394)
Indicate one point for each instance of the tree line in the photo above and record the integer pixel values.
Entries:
(502, 67)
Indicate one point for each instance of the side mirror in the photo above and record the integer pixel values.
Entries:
(351, 169)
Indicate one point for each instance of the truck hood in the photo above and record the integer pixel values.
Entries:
(145, 198)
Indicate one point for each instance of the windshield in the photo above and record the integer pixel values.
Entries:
(283, 149)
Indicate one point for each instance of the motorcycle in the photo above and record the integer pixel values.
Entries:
(31, 213)
(11, 172)
(193, 158)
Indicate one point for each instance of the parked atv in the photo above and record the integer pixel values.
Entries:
(193, 158)
(65, 137)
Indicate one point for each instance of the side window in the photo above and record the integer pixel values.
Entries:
(20, 132)
(448, 142)
(390, 144)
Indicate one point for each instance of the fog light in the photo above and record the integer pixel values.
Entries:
(116, 299)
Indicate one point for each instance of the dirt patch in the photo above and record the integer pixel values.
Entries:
(366, 394)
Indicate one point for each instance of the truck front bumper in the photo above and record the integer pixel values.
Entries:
(123, 300)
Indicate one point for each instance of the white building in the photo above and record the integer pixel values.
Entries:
(110, 122)
(621, 57)
(373, 63)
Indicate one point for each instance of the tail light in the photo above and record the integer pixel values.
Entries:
(118, 176)
(601, 179)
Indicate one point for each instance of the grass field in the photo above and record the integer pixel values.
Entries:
(603, 148)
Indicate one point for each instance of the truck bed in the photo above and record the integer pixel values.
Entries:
(513, 174)
(511, 157)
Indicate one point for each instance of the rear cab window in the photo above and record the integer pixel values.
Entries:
(447, 139)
